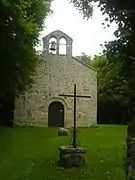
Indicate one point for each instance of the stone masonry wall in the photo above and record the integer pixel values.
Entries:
(57, 74)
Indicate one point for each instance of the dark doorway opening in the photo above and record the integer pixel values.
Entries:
(56, 114)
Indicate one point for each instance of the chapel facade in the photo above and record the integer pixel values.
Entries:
(56, 74)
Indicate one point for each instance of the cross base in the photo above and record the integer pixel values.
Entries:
(72, 157)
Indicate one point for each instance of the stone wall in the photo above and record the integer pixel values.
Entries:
(57, 74)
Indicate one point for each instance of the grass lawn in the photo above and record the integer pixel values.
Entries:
(30, 154)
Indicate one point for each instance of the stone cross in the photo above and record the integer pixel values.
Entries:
(74, 96)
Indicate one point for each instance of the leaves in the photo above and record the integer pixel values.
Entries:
(112, 87)
(20, 24)
(84, 7)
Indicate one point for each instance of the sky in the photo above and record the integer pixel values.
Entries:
(87, 35)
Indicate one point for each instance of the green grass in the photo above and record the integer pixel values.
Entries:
(30, 154)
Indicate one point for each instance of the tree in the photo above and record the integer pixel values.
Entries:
(20, 24)
(122, 50)
(112, 102)
(84, 58)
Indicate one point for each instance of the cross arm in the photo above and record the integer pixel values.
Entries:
(70, 95)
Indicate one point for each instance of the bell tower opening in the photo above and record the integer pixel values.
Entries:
(57, 42)
(52, 45)
(62, 46)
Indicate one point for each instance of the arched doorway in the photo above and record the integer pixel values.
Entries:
(56, 114)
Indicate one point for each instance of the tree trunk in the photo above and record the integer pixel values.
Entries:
(130, 164)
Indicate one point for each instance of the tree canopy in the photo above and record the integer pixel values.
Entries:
(20, 24)
(111, 91)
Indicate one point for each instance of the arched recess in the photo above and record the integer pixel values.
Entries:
(56, 114)
(60, 100)
(52, 39)
(62, 46)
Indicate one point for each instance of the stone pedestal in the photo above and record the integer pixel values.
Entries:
(70, 156)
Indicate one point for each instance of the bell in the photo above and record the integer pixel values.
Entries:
(53, 46)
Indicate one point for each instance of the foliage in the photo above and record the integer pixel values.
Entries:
(112, 102)
(84, 58)
(85, 7)
(31, 153)
(109, 79)
(20, 24)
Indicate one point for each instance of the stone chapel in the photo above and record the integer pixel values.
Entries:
(56, 74)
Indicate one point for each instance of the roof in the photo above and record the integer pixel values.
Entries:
(83, 63)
